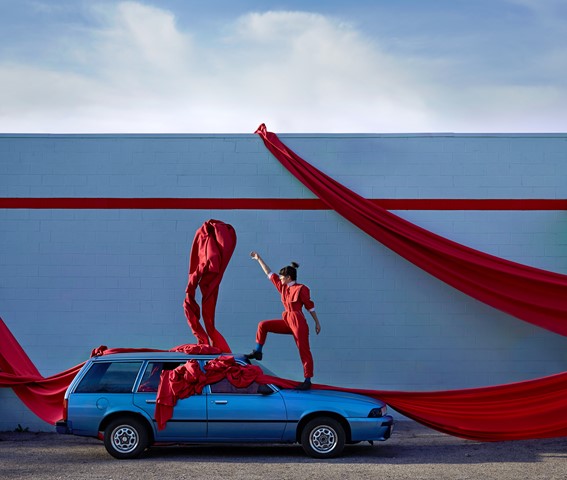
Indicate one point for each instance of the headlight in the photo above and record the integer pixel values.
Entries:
(378, 412)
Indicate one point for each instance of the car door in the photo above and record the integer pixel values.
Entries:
(106, 386)
(189, 420)
(244, 414)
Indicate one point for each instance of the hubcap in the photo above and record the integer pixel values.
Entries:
(323, 439)
(125, 438)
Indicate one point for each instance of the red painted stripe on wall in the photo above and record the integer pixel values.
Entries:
(274, 204)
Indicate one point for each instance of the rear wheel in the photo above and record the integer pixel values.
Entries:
(126, 438)
(323, 437)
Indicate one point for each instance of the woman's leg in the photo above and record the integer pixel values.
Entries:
(271, 326)
(265, 327)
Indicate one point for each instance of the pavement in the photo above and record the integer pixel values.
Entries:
(413, 452)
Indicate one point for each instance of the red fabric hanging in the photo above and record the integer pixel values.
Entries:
(43, 396)
(211, 251)
(530, 294)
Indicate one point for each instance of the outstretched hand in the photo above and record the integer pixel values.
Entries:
(254, 255)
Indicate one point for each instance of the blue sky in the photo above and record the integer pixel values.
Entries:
(183, 66)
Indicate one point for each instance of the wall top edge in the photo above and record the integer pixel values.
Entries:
(282, 135)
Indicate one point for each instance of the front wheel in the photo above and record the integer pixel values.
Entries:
(323, 437)
(126, 438)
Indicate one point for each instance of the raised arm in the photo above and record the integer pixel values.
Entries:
(265, 267)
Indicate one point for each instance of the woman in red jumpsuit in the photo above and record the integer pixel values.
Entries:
(294, 296)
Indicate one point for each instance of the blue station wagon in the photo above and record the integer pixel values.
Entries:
(113, 398)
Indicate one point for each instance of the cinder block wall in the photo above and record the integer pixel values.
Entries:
(73, 279)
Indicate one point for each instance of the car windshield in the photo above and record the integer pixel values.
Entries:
(266, 370)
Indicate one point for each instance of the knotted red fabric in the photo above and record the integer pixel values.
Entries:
(211, 251)
(189, 379)
(530, 294)
(182, 382)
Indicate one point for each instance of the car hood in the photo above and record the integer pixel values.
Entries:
(330, 396)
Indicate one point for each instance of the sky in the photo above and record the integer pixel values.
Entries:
(324, 66)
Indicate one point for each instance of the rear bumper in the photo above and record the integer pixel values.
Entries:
(63, 427)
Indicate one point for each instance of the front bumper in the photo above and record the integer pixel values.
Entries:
(369, 429)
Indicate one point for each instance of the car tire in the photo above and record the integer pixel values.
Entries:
(323, 437)
(126, 437)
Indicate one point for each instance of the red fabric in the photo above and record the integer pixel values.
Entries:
(78, 203)
(237, 375)
(189, 379)
(211, 251)
(533, 295)
(43, 396)
(182, 382)
(198, 349)
(517, 411)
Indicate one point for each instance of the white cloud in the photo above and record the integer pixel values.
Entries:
(296, 71)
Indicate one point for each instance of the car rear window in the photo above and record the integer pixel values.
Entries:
(109, 377)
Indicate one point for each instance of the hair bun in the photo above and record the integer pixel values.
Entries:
(294, 265)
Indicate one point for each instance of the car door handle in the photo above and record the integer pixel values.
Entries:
(221, 402)
(150, 401)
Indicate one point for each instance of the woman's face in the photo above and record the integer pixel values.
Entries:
(285, 279)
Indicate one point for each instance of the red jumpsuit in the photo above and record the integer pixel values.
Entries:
(293, 322)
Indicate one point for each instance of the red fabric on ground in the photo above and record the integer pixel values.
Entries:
(533, 295)
(211, 251)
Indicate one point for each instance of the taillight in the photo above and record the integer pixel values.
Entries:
(65, 408)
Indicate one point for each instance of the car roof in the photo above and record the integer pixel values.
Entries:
(159, 356)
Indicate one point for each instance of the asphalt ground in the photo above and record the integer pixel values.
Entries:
(413, 452)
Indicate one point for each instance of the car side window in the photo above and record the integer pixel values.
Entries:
(224, 386)
(109, 377)
(150, 380)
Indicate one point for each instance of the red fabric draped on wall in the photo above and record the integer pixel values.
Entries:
(530, 294)
(211, 251)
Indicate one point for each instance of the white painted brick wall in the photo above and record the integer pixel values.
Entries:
(75, 279)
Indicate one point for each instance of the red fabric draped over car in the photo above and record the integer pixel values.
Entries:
(188, 379)
(516, 411)
(530, 294)
(211, 251)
